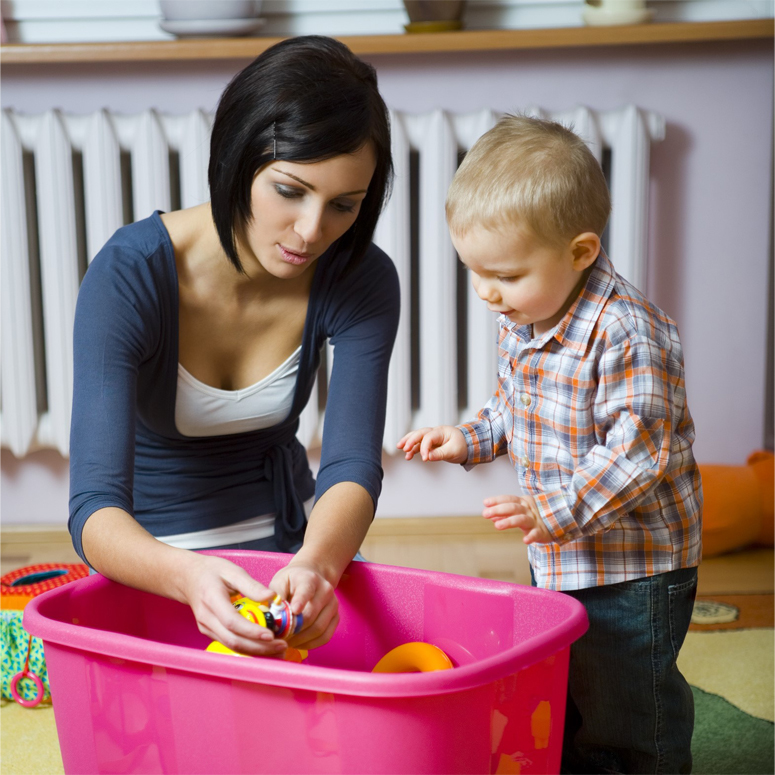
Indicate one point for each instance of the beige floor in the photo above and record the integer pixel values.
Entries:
(465, 545)
(746, 571)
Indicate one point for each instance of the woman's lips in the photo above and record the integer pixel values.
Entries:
(291, 257)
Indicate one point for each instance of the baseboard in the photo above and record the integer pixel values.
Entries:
(382, 526)
(36, 534)
(432, 526)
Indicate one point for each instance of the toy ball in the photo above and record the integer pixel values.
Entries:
(276, 617)
(414, 657)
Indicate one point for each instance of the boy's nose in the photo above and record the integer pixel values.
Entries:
(487, 291)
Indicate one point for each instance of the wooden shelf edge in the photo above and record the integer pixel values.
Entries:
(471, 40)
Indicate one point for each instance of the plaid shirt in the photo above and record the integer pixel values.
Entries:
(593, 415)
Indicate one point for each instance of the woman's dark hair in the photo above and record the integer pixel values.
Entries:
(305, 99)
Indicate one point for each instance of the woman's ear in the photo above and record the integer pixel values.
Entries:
(585, 248)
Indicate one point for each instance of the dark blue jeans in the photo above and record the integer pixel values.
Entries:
(629, 708)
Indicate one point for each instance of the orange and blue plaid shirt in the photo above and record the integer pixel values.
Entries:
(594, 418)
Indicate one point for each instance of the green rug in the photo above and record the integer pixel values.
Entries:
(727, 740)
(729, 659)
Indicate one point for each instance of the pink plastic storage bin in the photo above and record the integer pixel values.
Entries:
(135, 691)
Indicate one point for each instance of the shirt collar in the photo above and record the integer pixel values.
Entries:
(576, 326)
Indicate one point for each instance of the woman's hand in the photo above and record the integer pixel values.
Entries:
(310, 594)
(444, 442)
(507, 511)
(207, 585)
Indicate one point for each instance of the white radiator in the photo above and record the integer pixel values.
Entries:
(70, 181)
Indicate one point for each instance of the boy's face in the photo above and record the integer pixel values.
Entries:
(522, 277)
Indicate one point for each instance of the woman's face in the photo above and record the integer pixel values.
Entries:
(300, 209)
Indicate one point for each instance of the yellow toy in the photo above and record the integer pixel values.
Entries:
(276, 617)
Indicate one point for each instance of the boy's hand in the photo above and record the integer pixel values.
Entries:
(444, 442)
(520, 511)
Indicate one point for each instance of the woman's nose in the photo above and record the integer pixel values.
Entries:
(309, 225)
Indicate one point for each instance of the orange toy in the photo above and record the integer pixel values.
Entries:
(739, 504)
(414, 657)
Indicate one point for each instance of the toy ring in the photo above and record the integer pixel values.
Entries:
(39, 690)
(413, 658)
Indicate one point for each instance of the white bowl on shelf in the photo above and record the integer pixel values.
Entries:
(210, 18)
(601, 13)
(208, 10)
(211, 28)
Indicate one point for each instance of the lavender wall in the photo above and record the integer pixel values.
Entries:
(710, 215)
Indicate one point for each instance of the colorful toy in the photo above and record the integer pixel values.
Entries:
(415, 657)
(276, 617)
(24, 673)
(19, 586)
(739, 504)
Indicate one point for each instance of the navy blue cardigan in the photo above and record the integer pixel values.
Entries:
(125, 450)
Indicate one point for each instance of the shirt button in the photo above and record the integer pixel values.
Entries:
(525, 461)
(525, 399)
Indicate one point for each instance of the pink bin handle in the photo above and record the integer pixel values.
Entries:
(36, 700)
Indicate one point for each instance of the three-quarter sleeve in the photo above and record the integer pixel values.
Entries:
(109, 344)
(362, 319)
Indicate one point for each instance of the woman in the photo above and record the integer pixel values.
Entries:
(197, 341)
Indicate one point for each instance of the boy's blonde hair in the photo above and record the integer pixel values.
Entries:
(532, 171)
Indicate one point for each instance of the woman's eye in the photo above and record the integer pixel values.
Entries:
(344, 207)
(288, 192)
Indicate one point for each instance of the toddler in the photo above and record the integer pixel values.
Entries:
(591, 408)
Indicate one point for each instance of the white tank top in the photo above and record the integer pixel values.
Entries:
(202, 410)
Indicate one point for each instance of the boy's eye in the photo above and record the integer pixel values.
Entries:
(510, 279)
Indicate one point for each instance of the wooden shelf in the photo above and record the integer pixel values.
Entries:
(474, 40)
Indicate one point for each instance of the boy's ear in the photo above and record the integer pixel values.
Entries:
(585, 248)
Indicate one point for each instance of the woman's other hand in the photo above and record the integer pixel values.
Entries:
(310, 594)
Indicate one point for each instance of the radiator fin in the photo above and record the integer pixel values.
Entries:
(134, 164)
